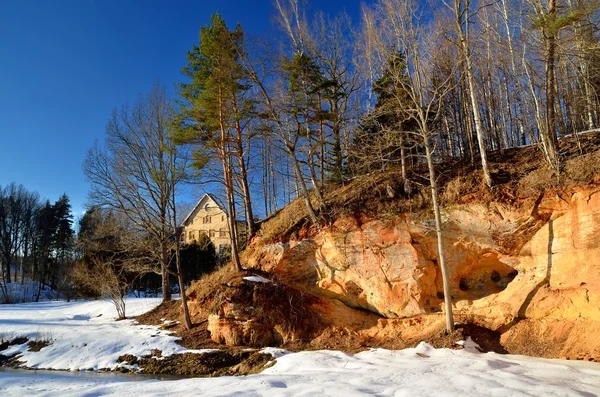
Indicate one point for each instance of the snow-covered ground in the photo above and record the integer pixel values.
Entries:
(85, 335)
(26, 292)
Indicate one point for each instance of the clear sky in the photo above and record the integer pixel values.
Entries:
(65, 64)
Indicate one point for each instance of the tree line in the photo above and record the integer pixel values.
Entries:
(411, 84)
(37, 241)
(332, 100)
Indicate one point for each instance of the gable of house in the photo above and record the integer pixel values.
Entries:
(207, 218)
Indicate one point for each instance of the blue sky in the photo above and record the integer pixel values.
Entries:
(65, 64)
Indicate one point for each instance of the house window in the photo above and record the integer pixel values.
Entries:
(190, 235)
(222, 233)
(221, 249)
(212, 233)
(206, 219)
(207, 207)
(222, 218)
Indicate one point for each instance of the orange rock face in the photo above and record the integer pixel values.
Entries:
(389, 267)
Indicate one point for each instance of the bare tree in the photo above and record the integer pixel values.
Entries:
(462, 22)
(277, 120)
(177, 175)
(12, 199)
(114, 254)
(401, 27)
(132, 173)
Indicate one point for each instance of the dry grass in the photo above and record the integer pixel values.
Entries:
(517, 173)
(583, 169)
(377, 193)
(536, 181)
(204, 288)
(284, 222)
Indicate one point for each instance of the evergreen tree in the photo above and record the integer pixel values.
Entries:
(63, 243)
(216, 110)
(388, 125)
(304, 105)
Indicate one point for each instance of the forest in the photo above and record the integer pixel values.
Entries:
(266, 121)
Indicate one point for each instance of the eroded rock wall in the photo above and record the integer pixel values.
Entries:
(389, 267)
(548, 278)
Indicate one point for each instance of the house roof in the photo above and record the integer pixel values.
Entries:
(199, 204)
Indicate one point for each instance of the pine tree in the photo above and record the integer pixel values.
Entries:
(215, 111)
(387, 125)
(304, 106)
(63, 243)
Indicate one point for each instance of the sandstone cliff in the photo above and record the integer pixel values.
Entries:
(527, 267)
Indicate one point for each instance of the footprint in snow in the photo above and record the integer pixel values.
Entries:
(277, 384)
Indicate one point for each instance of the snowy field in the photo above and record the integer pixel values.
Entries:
(84, 335)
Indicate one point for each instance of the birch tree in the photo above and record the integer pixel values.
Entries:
(401, 21)
(462, 25)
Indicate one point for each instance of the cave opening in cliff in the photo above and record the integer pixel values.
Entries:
(483, 277)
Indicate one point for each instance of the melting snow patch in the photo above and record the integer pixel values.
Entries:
(471, 345)
(275, 352)
(257, 279)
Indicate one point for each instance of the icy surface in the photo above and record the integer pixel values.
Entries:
(83, 339)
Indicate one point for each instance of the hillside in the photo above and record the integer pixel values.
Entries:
(523, 258)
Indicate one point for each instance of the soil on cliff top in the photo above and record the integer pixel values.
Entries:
(519, 175)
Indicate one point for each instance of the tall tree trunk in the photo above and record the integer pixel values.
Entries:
(513, 66)
(42, 275)
(164, 268)
(305, 192)
(536, 105)
(462, 20)
(266, 183)
(549, 137)
(243, 174)
(186, 312)
(232, 213)
(438, 227)
(469, 122)
(313, 178)
(337, 153)
(8, 261)
(274, 205)
(224, 153)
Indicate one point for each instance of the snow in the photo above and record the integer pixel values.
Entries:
(579, 133)
(257, 279)
(27, 292)
(83, 339)
(83, 335)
